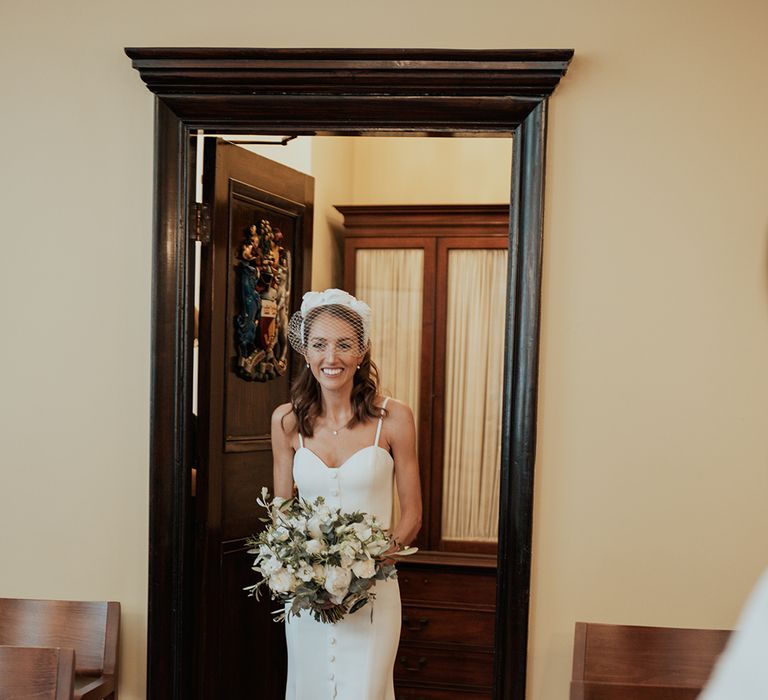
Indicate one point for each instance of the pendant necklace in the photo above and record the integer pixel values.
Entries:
(339, 429)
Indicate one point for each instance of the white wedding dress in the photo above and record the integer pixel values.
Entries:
(351, 659)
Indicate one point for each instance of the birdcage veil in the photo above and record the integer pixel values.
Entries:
(332, 318)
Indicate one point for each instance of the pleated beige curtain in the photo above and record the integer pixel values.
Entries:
(391, 282)
(473, 394)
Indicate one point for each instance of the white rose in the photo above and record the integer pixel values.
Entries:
(305, 572)
(297, 523)
(282, 581)
(323, 512)
(377, 547)
(351, 547)
(281, 534)
(363, 531)
(337, 581)
(314, 546)
(269, 566)
(364, 568)
(313, 526)
(346, 561)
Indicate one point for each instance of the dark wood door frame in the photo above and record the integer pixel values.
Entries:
(341, 92)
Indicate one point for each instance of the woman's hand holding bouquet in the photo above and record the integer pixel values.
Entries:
(320, 559)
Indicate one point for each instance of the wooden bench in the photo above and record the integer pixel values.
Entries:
(626, 662)
(36, 673)
(92, 629)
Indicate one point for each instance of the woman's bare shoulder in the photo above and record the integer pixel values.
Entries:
(397, 410)
(284, 418)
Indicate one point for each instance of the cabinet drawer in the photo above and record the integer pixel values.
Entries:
(405, 693)
(441, 666)
(422, 624)
(425, 584)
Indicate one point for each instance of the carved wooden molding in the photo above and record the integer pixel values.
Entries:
(382, 89)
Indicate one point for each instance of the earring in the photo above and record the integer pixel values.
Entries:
(307, 364)
(358, 366)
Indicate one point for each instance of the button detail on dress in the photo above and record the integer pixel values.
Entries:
(331, 658)
(330, 676)
(334, 474)
(332, 640)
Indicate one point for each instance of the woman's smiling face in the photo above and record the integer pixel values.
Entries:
(333, 350)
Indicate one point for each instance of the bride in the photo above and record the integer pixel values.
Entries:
(340, 439)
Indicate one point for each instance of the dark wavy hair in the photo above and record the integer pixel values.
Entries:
(306, 398)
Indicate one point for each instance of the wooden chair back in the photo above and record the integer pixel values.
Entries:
(90, 628)
(627, 662)
(36, 673)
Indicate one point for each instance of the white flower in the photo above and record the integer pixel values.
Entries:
(350, 548)
(281, 533)
(298, 523)
(304, 571)
(293, 551)
(323, 512)
(337, 581)
(314, 546)
(269, 566)
(313, 526)
(282, 581)
(362, 530)
(378, 546)
(364, 568)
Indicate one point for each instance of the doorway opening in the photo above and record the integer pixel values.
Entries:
(341, 92)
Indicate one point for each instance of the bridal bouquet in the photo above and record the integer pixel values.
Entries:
(319, 559)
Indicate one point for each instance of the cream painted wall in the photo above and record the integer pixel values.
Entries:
(333, 165)
(652, 469)
(398, 171)
(432, 170)
(296, 154)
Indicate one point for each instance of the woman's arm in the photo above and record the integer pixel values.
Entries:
(282, 450)
(401, 432)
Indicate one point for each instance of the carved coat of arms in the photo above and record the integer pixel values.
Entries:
(263, 287)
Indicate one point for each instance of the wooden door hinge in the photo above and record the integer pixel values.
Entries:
(200, 222)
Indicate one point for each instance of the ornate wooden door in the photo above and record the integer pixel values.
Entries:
(261, 226)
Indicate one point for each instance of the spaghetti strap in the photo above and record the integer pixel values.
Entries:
(301, 442)
(381, 419)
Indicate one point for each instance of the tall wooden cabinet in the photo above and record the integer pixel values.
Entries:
(435, 277)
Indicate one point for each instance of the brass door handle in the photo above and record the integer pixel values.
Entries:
(421, 623)
(419, 664)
